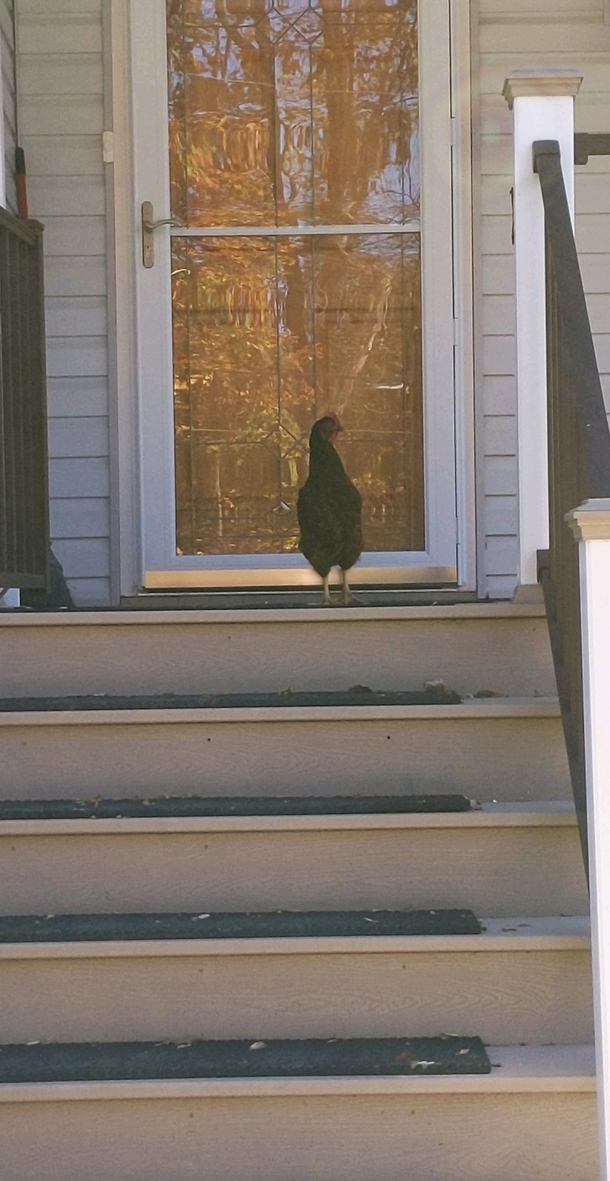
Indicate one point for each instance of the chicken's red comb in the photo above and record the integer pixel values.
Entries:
(335, 417)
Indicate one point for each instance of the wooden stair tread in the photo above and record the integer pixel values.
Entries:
(159, 710)
(65, 817)
(146, 613)
(563, 933)
(514, 1070)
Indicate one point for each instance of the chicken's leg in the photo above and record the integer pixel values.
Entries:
(347, 597)
(327, 602)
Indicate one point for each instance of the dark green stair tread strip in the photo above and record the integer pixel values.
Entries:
(359, 695)
(274, 925)
(88, 1062)
(175, 806)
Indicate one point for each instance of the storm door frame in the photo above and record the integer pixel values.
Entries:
(446, 315)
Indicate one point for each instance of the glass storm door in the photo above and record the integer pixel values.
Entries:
(307, 269)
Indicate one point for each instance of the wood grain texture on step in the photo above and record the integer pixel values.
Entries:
(533, 1117)
(497, 646)
(390, 863)
(511, 983)
(509, 749)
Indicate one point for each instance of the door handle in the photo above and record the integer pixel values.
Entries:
(149, 225)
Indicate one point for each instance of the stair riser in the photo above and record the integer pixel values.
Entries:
(506, 998)
(495, 871)
(490, 758)
(510, 656)
(388, 1138)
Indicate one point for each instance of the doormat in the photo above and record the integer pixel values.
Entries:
(184, 806)
(88, 1062)
(279, 924)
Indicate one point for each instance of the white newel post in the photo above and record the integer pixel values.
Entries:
(542, 102)
(591, 526)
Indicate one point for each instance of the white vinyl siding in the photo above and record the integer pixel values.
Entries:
(9, 104)
(61, 122)
(514, 35)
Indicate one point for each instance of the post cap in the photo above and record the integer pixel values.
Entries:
(543, 82)
(591, 520)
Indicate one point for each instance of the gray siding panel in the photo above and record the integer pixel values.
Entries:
(514, 35)
(61, 116)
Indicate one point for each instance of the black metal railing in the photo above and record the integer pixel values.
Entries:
(579, 452)
(24, 524)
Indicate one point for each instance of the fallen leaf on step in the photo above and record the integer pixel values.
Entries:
(258, 1046)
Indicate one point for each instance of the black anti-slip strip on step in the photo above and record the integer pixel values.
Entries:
(242, 1059)
(174, 806)
(279, 924)
(359, 695)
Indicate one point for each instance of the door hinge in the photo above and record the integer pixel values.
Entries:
(108, 147)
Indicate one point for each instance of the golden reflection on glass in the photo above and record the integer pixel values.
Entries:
(288, 113)
(291, 114)
(269, 334)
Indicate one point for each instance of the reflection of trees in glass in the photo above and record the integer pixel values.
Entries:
(281, 116)
(304, 114)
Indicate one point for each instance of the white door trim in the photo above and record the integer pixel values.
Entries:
(141, 512)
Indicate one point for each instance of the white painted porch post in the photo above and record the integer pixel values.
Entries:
(591, 527)
(542, 101)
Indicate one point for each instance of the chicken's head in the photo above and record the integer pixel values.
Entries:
(328, 427)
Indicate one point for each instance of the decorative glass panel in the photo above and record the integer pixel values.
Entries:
(288, 113)
(282, 116)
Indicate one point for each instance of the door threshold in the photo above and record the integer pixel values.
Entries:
(249, 600)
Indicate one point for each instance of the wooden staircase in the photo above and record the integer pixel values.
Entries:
(522, 985)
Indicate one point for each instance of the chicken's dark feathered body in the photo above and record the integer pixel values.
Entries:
(329, 507)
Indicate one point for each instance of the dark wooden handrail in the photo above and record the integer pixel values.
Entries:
(579, 452)
(24, 498)
(588, 143)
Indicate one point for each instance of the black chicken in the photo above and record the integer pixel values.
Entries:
(329, 509)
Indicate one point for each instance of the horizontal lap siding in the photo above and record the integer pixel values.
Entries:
(513, 35)
(61, 123)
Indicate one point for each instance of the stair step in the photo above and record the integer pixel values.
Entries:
(517, 980)
(303, 862)
(532, 1117)
(524, 1070)
(220, 806)
(499, 646)
(250, 926)
(357, 696)
(347, 749)
(337, 932)
(242, 1058)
